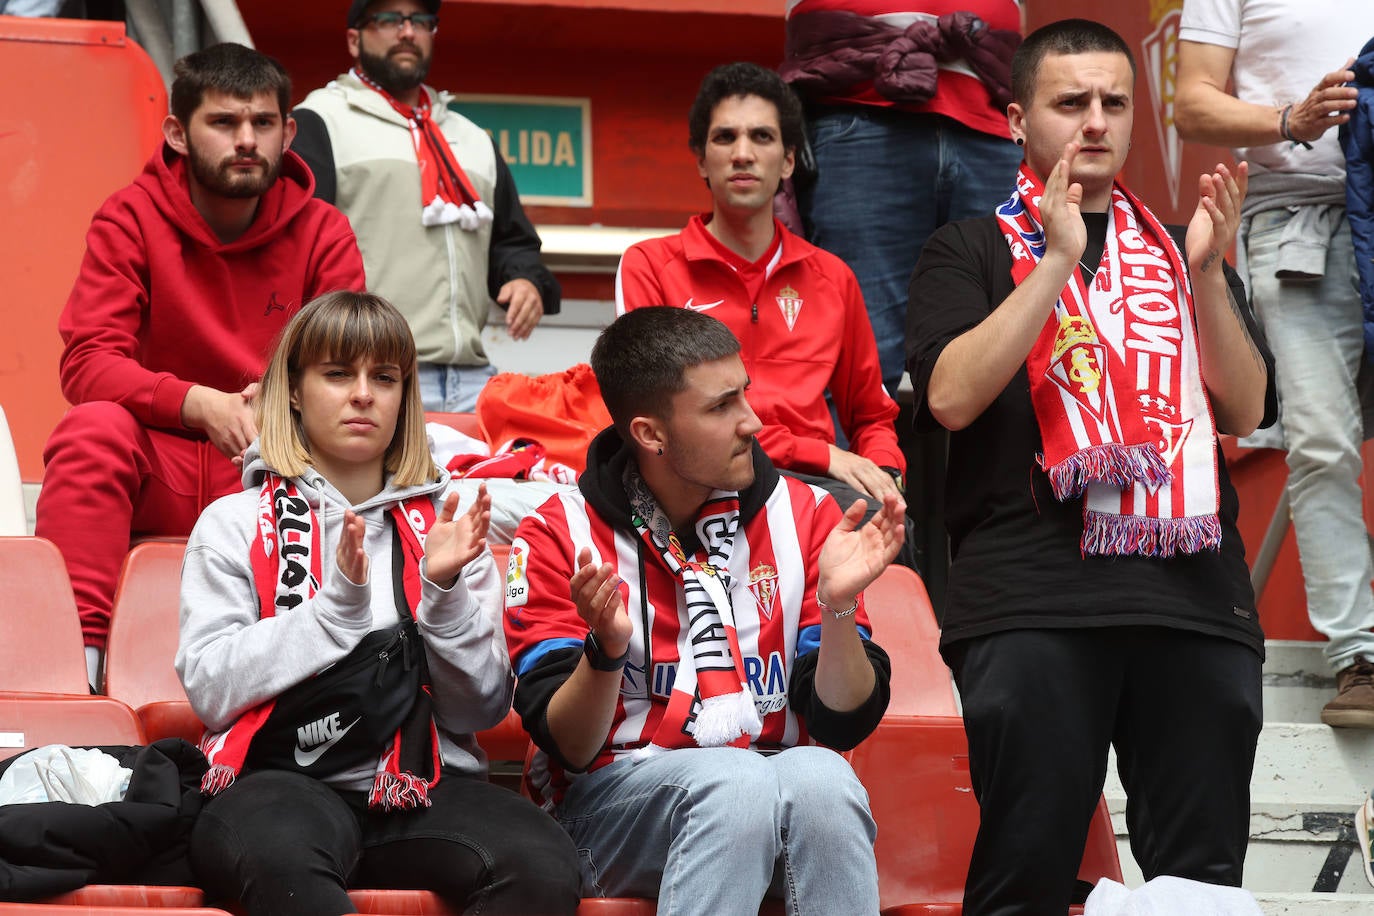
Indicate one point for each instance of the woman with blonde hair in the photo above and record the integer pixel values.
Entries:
(340, 640)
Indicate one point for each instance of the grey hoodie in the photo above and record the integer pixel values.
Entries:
(230, 660)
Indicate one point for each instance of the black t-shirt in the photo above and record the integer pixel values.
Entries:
(1017, 560)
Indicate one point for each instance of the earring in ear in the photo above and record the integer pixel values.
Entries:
(1020, 141)
(660, 451)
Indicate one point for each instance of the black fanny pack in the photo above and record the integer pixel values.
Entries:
(342, 718)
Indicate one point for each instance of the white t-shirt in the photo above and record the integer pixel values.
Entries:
(1283, 47)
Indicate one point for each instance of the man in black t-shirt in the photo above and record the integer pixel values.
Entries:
(1085, 360)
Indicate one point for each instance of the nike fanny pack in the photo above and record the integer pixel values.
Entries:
(340, 719)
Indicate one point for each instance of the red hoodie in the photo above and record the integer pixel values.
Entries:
(161, 304)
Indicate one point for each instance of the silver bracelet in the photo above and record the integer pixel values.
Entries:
(839, 615)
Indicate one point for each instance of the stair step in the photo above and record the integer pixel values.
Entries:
(1308, 782)
(1315, 904)
(1297, 681)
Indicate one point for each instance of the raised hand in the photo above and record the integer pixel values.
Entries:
(455, 539)
(852, 557)
(351, 557)
(1216, 219)
(596, 592)
(1060, 210)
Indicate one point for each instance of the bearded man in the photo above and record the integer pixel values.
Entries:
(189, 274)
(435, 208)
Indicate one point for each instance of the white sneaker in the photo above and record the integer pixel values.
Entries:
(1364, 832)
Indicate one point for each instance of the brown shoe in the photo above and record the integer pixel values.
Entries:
(1353, 704)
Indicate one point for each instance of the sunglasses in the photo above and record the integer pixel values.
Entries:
(390, 21)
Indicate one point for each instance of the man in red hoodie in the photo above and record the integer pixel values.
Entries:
(189, 274)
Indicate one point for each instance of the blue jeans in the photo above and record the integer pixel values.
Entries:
(452, 389)
(715, 830)
(887, 180)
(1314, 330)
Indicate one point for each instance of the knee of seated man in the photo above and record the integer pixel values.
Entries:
(820, 779)
(95, 423)
(734, 779)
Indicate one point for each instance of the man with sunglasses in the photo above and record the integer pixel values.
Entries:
(431, 200)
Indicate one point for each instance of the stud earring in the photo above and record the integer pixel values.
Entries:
(660, 451)
(1020, 141)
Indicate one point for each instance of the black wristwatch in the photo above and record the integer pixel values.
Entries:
(598, 658)
(896, 475)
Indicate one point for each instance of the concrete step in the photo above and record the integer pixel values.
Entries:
(1315, 905)
(1297, 681)
(1308, 782)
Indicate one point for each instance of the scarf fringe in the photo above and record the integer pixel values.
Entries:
(218, 778)
(1121, 466)
(470, 218)
(724, 718)
(1105, 534)
(398, 791)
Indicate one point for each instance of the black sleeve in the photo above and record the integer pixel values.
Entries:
(533, 692)
(312, 144)
(950, 293)
(840, 730)
(514, 250)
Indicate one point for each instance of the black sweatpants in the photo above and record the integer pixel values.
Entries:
(286, 844)
(1041, 707)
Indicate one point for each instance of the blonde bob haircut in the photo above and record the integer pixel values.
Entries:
(342, 327)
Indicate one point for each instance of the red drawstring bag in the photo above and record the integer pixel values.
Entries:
(561, 411)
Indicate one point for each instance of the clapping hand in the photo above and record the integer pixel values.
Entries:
(351, 556)
(852, 556)
(596, 592)
(456, 539)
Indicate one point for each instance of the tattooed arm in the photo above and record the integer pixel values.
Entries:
(1232, 366)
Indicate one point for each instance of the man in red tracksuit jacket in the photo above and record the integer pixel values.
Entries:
(796, 309)
(189, 274)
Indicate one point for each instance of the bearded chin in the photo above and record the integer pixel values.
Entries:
(385, 73)
(221, 179)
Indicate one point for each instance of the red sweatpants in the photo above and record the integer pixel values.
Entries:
(108, 479)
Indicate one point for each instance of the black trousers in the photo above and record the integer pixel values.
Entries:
(1041, 707)
(283, 843)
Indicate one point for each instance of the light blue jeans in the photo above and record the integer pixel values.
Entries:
(1314, 330)
(452, 389)
(712, 831)
(887, 180)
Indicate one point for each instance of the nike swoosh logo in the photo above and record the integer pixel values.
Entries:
(704, 306)
(308, 758)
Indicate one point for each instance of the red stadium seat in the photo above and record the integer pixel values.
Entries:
(47, 909)
(904, 625)
(143, 640)
(916, 773)
(157, 898)
(465, 423)
(30, 720)
(40, 633)
(400, 903)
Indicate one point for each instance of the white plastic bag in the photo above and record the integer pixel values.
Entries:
(56, 772)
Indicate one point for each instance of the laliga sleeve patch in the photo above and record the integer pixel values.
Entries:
(517, 582)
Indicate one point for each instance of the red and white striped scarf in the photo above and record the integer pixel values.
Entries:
(446, 192)
(1116, 384)
(287, 572)
(711, 705)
